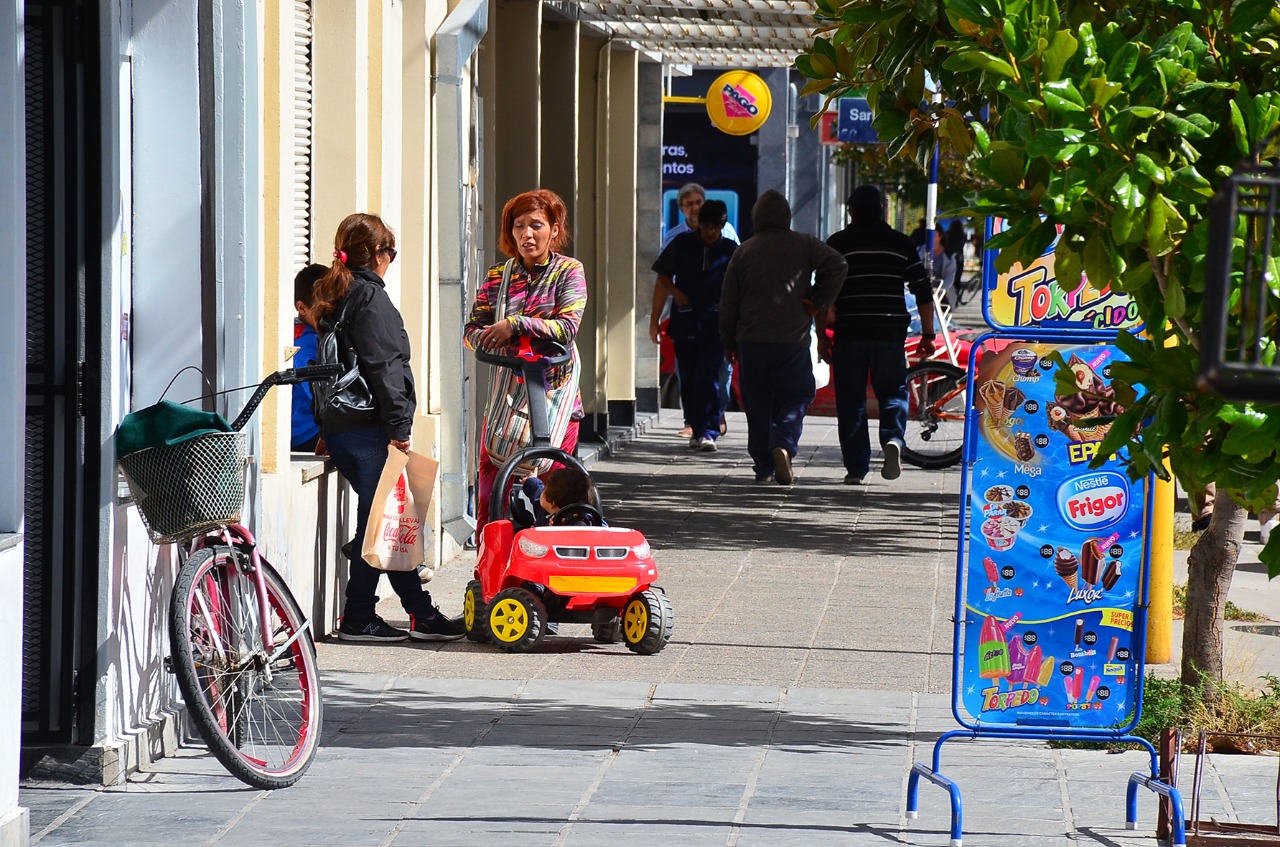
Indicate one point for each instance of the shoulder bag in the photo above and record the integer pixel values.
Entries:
(344, 402)
(507, 426)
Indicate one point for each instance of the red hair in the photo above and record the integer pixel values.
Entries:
(542, 200)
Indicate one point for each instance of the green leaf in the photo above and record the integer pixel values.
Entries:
(970, 10)
(1122, 65)
(1143, 112)
(980, 135)
(1183, 127)
(1128, 195)
(1148, 168)
(1190, 178)
(1103, 91)
(1165, 226)
(1175, 301)
(1056, 145)
(1061, 48)
(1246, 14)
(1238, 129)
(991, 64)
(1062, 96)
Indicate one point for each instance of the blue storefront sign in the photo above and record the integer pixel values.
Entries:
(854, 123)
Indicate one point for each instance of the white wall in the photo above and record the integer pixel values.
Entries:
(13, 286)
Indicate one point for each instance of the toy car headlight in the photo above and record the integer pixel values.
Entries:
(642, 550)
(532, 548)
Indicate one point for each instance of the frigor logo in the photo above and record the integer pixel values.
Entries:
(1093, 502)
(738, 103)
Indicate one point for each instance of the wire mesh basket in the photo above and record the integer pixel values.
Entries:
(188, 488)
(1240, 333)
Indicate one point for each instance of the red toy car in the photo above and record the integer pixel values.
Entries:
(580, 571)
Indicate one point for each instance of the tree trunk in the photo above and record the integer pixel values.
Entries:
(1209, 569)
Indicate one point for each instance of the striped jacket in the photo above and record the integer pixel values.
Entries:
(871, 305)
(545, 304)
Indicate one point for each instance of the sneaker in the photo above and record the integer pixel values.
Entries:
(425, 574)
(1264, 529)
(764, 478)
(435, 628)
(687, 432)
(854, 479)
(782, 466)
(892, 461)
(695, 443)
(375, 629)
(707, 445)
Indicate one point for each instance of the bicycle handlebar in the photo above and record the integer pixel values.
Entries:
(290, 376)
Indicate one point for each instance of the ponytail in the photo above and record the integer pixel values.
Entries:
(356, 245)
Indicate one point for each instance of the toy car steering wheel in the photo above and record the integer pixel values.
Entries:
(578, 514)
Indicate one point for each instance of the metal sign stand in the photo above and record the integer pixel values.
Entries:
(1029, 486)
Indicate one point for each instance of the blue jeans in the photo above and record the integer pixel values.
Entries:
(776, 383)
(359, 457)
(699, 360)
(884, 364)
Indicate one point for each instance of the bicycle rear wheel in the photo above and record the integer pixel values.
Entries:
(259, 713)
(937, 402)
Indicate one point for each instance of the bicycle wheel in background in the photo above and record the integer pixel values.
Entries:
(937, 402)
(259, 714)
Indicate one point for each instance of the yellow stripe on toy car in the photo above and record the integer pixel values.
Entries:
(592, 584)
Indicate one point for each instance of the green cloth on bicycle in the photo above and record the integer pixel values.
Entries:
(164, 425)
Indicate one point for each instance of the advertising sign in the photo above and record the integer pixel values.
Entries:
(854, 123)
(828, 128)
(1034, 297)
(1053, 551)
(738, 102)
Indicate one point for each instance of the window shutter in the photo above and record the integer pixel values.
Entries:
(302, 34)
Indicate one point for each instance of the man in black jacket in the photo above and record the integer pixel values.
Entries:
(871, 321)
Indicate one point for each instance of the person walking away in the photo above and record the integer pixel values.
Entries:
(304, 434)
(871, 322)
(956, 240)
(546, 296)
(353, 293)
(767, 311)
(691, 270)
(942, 269)
(690, 198)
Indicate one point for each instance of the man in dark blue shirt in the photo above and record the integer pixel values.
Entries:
(691, 269)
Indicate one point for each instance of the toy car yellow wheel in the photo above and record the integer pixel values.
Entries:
(647, 621)
(474, 617)
(516, 619)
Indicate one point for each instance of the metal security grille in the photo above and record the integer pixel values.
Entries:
(58, 600)
(302, 111)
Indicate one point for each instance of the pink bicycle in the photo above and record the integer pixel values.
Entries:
(241, 648)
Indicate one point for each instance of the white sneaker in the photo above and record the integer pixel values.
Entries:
(892, 468)
(1265, 527)
(707, 445)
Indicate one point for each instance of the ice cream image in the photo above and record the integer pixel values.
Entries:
(1022, 447)
(993, 571)
(1046, 670)
(993, 650)
(1031, 668)
(1024, 361)
(1111, 575)
(1093, 689)
(1077, 682)
(1017, 661)
(1067, 566)
(1111, 651)
(1019, 510)
(1079, 631)
(1013, 399)
(1000, 532)
(998, 493)
(1069, 686)
(1070, 414)
(992, 393)
(1092, 556)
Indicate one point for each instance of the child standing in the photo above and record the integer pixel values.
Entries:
(305, 436)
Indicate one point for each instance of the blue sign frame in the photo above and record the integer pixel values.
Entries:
(853, 124)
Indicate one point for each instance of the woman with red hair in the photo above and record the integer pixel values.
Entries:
(544, 295)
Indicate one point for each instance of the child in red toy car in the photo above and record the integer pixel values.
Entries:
(540, 502)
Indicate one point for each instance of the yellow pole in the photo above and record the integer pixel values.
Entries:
(1160, 584)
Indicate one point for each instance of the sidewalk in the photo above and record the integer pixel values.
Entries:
(811, 664)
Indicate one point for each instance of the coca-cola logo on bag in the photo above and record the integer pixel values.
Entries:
(400, 495)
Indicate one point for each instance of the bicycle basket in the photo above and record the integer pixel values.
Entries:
(184, 489)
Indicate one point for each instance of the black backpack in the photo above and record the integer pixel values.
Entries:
(342, 403)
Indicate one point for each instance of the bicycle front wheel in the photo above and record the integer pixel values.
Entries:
(937, 402)
(258, 711)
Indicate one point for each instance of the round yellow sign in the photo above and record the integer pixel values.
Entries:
(738, 102)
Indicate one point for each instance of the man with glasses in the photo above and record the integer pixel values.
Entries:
(689, 198)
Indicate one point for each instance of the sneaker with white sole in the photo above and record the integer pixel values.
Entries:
(892, 461)
(435, 628)
(854, 479)
(375, 629)
(707, 445)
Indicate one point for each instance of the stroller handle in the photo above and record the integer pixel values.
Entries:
(525, 358)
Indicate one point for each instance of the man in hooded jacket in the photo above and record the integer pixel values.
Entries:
(767, 309)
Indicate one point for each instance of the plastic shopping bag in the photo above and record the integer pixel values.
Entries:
(393, 537)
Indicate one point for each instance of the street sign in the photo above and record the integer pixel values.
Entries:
(855, 121)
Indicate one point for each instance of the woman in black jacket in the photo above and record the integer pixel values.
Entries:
(364, 249)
